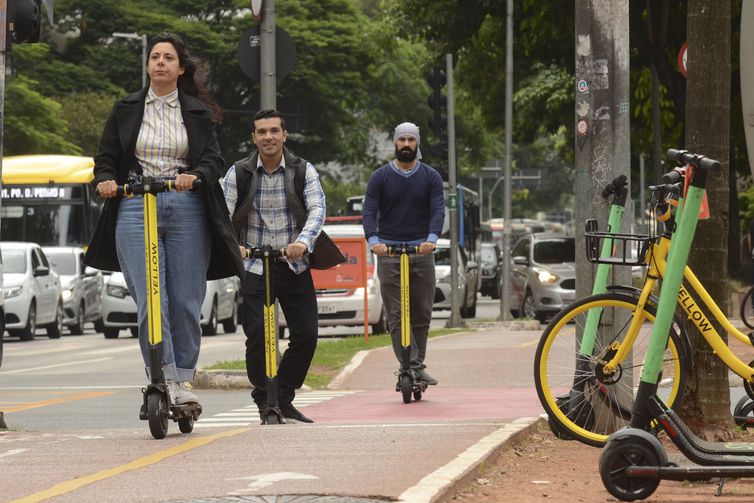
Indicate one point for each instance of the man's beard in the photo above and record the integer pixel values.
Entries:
(405, 154)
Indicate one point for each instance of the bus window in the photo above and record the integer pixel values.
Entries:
(47, 200)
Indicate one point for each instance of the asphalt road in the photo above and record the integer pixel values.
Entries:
(71, 407)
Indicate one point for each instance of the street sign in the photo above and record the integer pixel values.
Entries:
(453, 201)
(683, 55)
(248, 53)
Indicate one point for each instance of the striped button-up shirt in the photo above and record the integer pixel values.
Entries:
(270, 221)
(162, 144)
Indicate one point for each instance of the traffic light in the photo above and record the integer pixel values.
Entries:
(437, 101)
(24, 20)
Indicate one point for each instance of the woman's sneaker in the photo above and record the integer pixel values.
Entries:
(181, 394)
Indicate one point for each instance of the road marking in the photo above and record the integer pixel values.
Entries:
(430, 486)
(55, 401)
(57, 365)
(527, 344)
(250, 414)
(54, 388)
(12, 452)
(267, 479)
(79, 482)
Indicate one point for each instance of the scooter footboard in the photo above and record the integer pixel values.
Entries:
(698, 450)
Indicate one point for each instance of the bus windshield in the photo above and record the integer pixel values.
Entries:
(46, 200)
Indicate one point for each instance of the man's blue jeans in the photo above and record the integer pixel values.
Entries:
(184, 247)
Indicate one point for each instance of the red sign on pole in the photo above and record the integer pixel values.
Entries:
(350, 274)
(683, 56)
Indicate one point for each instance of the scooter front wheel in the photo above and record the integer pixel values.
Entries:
(186, 424)
(407, 387)
(157, 413)
(616, 458)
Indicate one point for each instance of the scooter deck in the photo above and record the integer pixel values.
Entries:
(698, 450)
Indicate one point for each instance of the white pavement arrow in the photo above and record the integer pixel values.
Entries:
(267, 479)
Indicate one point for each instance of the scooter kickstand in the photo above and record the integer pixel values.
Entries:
(719, 491)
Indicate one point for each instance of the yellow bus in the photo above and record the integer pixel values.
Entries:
(46, 199)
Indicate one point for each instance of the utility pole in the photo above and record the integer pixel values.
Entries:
(602, 140)
(505, 312)
(267, 69)
(455, 319)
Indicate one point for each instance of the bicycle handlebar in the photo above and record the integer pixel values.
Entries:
(614, 186)
(696, 160)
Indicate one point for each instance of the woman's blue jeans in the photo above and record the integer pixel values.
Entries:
(184, 248)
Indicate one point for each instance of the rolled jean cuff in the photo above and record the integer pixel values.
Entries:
(175, 374)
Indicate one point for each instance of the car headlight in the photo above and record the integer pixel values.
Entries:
(546, 277)
(116, 291)
(67, 294)
(13, 291)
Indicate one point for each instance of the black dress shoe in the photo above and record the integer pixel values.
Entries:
(291, 412)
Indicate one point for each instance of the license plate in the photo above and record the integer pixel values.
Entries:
(325, 309)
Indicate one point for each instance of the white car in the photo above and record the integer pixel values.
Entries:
(345, 306)
(468, 280)
(82, 286)
(119, 309)
(221, 305)
(31, 291)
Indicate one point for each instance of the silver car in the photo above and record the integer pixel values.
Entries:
(82, 287)
(220, 306)
(468, 280)
(543, 274)
(31, 291)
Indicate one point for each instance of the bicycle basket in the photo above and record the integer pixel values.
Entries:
(627, 249)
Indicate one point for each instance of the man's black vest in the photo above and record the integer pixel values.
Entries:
(326, 254)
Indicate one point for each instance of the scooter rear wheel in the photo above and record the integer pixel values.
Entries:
(616, 458)
(417, 394)
(272, 418)
(407, 387)
(157, 412)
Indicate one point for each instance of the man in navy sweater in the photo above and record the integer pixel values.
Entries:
(404, 203)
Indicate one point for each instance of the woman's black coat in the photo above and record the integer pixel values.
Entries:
(116, 158)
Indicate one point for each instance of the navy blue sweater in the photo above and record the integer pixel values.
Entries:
(399, 208)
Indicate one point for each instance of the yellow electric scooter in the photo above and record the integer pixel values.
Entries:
(157, 407)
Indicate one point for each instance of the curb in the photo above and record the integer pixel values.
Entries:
(493, 446)
(221, 379)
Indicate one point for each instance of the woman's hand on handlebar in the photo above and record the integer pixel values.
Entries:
(426, 248)
(184, 182)
(107, 189)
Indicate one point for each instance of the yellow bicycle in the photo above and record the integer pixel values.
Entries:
(587, 396)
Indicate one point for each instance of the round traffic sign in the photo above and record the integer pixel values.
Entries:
(683, 55)
(248, 53)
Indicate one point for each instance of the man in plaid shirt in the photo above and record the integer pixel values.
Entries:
(261, 196)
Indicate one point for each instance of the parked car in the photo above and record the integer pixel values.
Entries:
(345, 306)
(492, 270)
(468, 279)
(31, 291)
(220, 306)
(82, 287)
(543, 274)
(2, 329)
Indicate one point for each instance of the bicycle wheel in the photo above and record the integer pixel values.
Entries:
(747, 309)
(589, 405)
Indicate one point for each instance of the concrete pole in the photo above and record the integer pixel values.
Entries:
(602, 143)
(505, 312)
(267, 71)
(455, 319)
(144, 43)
